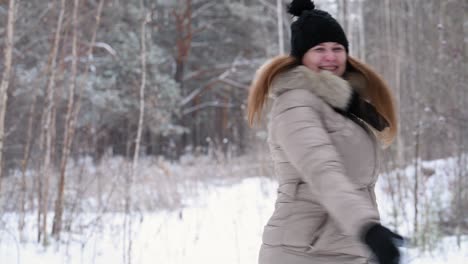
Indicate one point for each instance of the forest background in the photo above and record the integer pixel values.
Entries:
(138, 85)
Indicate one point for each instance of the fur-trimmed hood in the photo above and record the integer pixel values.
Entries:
(342, 94)
(334, 90)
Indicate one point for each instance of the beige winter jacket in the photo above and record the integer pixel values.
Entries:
(326, 167)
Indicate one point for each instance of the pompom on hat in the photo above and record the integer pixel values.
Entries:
(312, 27)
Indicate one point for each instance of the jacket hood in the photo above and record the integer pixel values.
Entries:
(341, 94)
(333, 89)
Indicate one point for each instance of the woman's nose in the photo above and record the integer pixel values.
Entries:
(330, 56)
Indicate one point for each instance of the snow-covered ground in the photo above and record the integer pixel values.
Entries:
(222, 226)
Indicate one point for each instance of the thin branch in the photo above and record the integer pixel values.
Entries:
(205, 105)
(106, 47)
(222, 67)
(234, 83)
(198, 91)
(203, 8)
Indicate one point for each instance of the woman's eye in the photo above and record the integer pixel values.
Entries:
(338, 49)
(319, 49)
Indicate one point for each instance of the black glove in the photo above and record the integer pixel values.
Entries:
(383, 243)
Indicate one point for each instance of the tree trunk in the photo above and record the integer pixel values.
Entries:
(8, 58)
(399, 83)
(57, 224)
(129, 182)
(362, 36)
(416, 181)
(184, 39)
(279, 13)
(183, 44)
(48, 124)
(343, 13)
(463, 186)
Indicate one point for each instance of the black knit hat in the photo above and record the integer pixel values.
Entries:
(312, 27)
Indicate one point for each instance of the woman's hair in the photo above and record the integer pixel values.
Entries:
(376, 91)
(260, 86)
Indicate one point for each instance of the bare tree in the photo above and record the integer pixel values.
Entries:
(279, 14)
(416, 186)
(146, 17)
(185, 34)
(47, 131)
(343, 13)
(57, 224)
(8, 51)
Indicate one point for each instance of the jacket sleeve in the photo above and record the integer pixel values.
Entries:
(300, 132)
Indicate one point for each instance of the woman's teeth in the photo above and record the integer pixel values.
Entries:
(328, 68)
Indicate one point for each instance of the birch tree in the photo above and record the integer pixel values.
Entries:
(68, 136)
(279, 15)
(48, 130)
(8, 58)
(146, 18)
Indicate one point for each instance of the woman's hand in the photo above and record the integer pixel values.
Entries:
(383, 243)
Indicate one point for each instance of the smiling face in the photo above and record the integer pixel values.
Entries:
(326, 56)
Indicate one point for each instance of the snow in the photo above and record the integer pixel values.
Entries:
(223, 225)
(435, 191)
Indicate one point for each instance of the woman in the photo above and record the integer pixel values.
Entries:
(329, 114)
